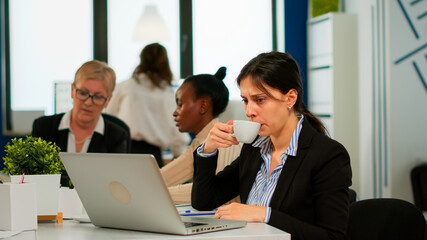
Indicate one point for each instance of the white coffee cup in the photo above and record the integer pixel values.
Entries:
(245, 131)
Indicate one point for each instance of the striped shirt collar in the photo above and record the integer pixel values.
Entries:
(263, 142)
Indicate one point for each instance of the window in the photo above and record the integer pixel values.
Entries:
(230, 33)
(123, 51)
(49, 41)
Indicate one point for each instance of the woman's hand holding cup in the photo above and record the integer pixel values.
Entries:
(225, 135)
(220, 137)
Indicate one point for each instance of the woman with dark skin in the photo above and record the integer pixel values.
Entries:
(199, 101)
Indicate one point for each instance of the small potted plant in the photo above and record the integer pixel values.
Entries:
(320, 7)
(40, 162)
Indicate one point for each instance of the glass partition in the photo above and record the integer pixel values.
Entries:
(230, 33)
(49, 41)
(123, 49)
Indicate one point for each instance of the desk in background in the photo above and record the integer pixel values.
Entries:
(71, 229)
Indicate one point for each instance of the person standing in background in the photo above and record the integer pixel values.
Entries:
(145, 103)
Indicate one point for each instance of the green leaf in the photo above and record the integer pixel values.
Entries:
(32, 156)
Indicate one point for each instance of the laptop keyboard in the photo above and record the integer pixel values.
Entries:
(193, 224)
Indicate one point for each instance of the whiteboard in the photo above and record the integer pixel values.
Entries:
(63, 101)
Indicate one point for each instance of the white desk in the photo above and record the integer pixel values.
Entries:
(71, 229)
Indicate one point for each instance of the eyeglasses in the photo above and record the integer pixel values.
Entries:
(96, 99)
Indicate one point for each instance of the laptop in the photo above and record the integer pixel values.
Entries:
(127, 191)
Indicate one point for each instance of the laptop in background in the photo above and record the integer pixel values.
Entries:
(127, 191)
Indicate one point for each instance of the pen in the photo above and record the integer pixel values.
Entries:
(196, 213)
(22, 178)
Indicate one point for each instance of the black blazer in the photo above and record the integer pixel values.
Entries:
(311, 197)
(114, 140)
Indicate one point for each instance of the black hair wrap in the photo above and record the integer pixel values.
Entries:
(220, 74)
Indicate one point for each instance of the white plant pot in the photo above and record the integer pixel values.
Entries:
(69, 203)
(47, 191)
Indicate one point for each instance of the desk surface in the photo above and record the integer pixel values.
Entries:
(71, 229)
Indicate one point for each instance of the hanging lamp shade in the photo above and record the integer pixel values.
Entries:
(151, 26)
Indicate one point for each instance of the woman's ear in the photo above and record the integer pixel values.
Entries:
(291, 98)
(73, 91)
(204, 105)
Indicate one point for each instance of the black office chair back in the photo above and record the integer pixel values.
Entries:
(385, 218)
(352, 195)
(419, 185)
(122, 124)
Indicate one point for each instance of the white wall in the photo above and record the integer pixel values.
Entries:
(393, 99)
(408, 93)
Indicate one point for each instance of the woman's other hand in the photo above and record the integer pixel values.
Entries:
(239, 211)
(220, 137)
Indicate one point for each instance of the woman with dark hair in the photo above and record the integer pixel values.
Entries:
(293, 176)
(154, 63)
(199, 101)
(145, 103)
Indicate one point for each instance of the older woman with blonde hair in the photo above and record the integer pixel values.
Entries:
(84, 128)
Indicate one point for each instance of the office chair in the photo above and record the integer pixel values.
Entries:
(122, 124)
(352, 195)
(419, 186)
(385, 218)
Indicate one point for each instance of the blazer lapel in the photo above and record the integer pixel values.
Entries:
(292, 165)
(247, 180)
(95, 144)
(287, 175)
(98, 144)
(62, 140)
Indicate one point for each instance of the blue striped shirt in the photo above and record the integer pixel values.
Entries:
(264, 185)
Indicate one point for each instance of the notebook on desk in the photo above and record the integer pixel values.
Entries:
(127, 191)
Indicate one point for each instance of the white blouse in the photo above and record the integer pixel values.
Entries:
(71, 145)
(147, 110)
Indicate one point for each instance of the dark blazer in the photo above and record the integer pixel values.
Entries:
(311, 197)
(114, 140)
